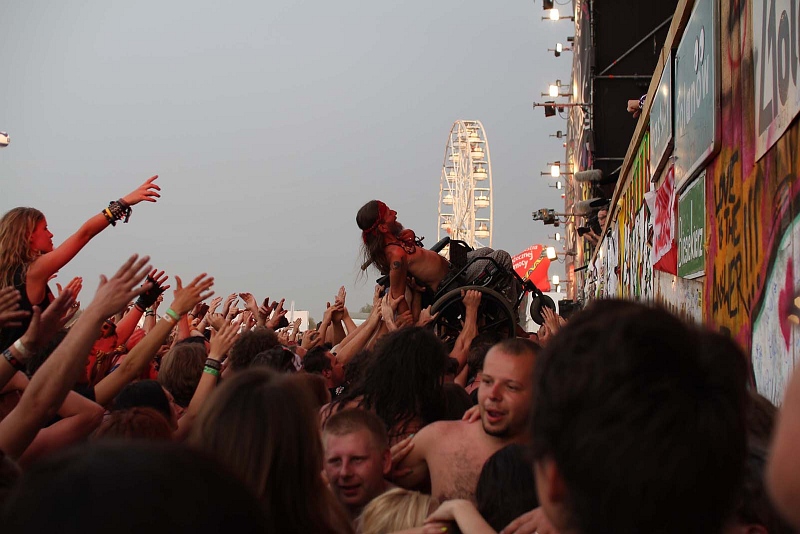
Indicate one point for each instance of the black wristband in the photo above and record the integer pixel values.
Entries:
(214, 364)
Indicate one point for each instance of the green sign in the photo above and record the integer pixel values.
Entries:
(697, 92)
(692, 229)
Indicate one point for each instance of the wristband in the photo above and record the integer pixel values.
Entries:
(149, 313)
(22, 349)
(214, 364)
(15, 363)
(172, 313)
(169, 319)
(211, 371)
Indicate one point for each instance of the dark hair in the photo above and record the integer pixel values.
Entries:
(192, 339)
(456, 401)
(402, 381)
(760, 417)
(371, 242)
(134, 423)
(506, 487)
(477, 353)
(316, 361)
(318, 388)
(152, 484)
(181, 369)
(355, 419)
(145, 394)
(264, 427)
(354, 369)
(643, 416)
(249, 344)
(754, 506)
(277, 358)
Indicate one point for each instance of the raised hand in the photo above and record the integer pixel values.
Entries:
(311, 340)
(425, 317)
(276, 317)
(399, 451)
(387, 312)
(222, 341)
(376, 296)
(216, 321)
(471, 298)
(215, 302)
(405, 319)
(229, 301)
(148, 191)
(249, 302)
(114, 293)
(187, 297)
(10, 314)
(156, 280)
(341, 296)
(45, 324)
(75, 285)
(551, 320)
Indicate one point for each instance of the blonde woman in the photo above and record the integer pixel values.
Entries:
(28, 259)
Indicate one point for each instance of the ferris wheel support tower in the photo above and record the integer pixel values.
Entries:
(466, 207)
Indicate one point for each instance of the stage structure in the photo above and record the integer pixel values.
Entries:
(465, 190)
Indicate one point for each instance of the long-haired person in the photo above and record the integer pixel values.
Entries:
(28, 258)
(262, 425)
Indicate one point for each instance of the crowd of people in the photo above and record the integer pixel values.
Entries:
(148, 408)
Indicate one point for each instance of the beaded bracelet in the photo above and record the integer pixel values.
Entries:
(15, 363)
(211, 371)
(117, 210)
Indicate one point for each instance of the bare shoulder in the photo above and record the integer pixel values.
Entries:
(439, 430)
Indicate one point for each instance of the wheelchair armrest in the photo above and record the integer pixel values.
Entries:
(443, 242)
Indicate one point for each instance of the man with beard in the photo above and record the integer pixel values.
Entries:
(397, 252)
(450, 454)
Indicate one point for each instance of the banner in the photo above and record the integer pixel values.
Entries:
(533, 264)
(664, 251)
(776, 57)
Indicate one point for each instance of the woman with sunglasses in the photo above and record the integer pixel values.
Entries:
(28, 258)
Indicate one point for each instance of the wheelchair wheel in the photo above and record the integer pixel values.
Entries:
(495, 315)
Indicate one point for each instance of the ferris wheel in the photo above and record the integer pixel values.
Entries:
(465, 190)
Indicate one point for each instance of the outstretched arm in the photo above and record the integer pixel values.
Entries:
(51, 383)
(48, 264)
(471, 300)
(144, 351)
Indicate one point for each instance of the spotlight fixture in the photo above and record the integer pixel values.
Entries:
(558, 49)
(555, 15)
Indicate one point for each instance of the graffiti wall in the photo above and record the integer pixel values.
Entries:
(752, 230)
(751, 239)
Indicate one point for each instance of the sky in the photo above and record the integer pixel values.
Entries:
(269, 125)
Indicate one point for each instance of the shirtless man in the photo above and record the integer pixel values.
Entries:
(395, 251)
(451, 453)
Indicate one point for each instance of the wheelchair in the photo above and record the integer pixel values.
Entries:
(502, 291)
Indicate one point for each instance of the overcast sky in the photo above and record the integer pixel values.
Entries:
(270, 124)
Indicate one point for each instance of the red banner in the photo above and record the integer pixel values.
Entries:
(664, 252)
(532, 263)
